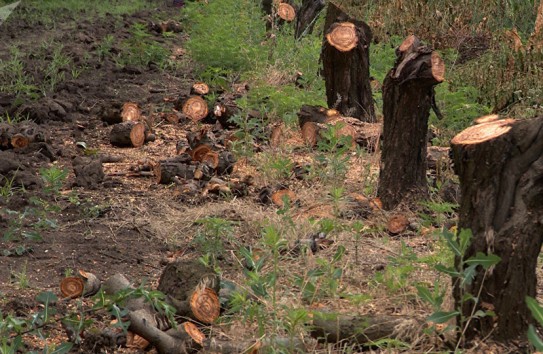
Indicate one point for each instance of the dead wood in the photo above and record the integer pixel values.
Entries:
(128, 134)
(364, 329)
(223, 346)
(307, 15)
(408, 91)
(500, 167)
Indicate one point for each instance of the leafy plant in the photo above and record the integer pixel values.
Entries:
(211, 236)
(54, 178)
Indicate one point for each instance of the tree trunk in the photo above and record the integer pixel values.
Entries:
(346, 62)
(307, 16)
(500, 166)
(407, 97)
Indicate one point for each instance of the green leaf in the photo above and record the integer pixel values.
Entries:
(339, 254)
(450, 271)
(451, 242)
(535, 309)
(442, 316)
(469, 274)
(534, 338)
(465, 239)
(46, 297)
(484, 260)
(63, 348)
(425, 294)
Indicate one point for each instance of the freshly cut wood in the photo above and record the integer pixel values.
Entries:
(200, 151)
(364, 329)
(278, 197)
(72, 287)
(19, 141)
(500, 167)
(307, 16)
(397, 224)
(193, 332)
(286, 12)
(195, 108)
(92, 283)
(136, 341)
(169, 171)
(408, 92)
(342, 36)
(487, 119)
(310, 133)
(346, 61)
(128, 134)
(130, 112)
(199, 88)
(205, 305)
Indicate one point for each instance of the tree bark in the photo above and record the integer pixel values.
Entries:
(127, 134)
(307, 16)
(334, 328)
(167, 171)
(500, 166)
(346, 68)
(407, 96)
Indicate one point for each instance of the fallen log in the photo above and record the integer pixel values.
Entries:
(500, 167)
(408, 92)
(166, 171)
(128, 134)
(364, 329)
(116, 113)
(195, 108)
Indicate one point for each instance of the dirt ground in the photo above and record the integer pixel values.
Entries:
(131, 224)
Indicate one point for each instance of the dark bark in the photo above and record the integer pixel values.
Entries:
(127, 134)
(407, 99)
(500, 166)
(346, 73)
(307, 16)
(167, 171)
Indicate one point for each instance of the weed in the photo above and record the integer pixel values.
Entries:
(141, 50)
(53, 178)
(7, 190)
(210, 238)
(103, 49)
(21, 277)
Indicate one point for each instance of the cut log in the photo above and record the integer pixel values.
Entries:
(224, 110)
(345, 59)
(286, 12)
(19, 141)
(127, 134)
(278, 197)
(487, 119)
(199, 88)
(500, 167)
(167, 171)
(334, 328)
(408, 91)
(72, 287)
(195, 108)
(92, 283)
(307, 16)
(203, 305)
(397, 224)
(130, 112)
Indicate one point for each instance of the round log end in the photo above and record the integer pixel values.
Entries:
(205, 305)
(482, 132)
(135, 341)
(19, 141)
(487, 119)
(211, 158)
(200, 88)
(199, 152)
(438, 67)
(310, 132)
(408, 43)
(194, 332)
(137, 135)
(397, 224)
(343, 36)
(130, 112)
(72, 287)
(278, 197)
(286, 12)
(195, 107)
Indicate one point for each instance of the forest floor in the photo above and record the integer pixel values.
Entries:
(128, 223)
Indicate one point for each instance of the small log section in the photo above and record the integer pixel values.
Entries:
(408, 90)
(307, 16)
(346, 65)
(127, 134)
(195, 107)
(500, 166)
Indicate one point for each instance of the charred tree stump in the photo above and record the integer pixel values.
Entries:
(407, 97)
(346, 64)
(127, 134)
(500, 166)
(307, 16)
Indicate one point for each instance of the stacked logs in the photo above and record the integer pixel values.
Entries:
(130, 129)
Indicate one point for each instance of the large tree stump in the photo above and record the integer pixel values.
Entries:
(408, 92)
(346, 65)
(500, 166)
(307, 16)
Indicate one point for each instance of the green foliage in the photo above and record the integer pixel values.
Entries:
(211, 237)
(141, 50)
(54, 178)
(537, 313)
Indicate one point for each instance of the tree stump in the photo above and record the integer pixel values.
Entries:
(195, 107)
(500, 166)
(408, 92)
(346, 62)
(307, 16)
